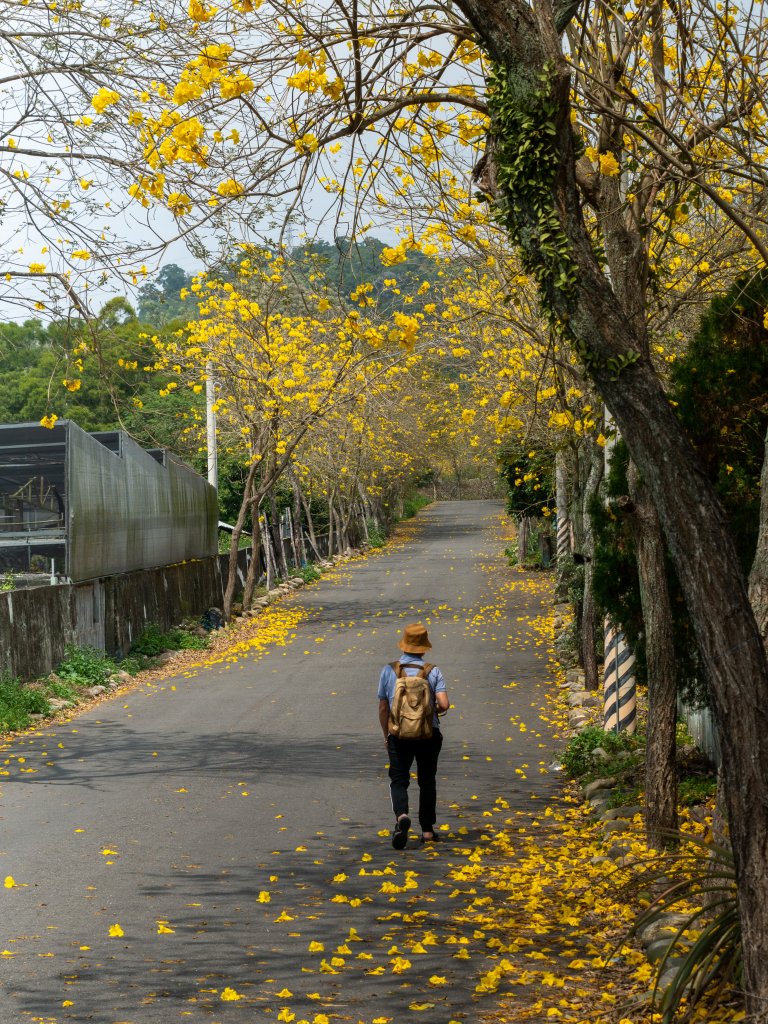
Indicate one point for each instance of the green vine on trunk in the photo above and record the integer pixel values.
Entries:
(527, 160)
(527, 156)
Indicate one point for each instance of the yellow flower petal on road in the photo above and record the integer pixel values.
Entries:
(229, 995)
(9, 882)
(115, 931)
(264, 896)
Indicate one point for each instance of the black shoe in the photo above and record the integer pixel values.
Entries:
(400, 835)
(434, 838)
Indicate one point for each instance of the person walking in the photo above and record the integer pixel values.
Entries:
(414, 644)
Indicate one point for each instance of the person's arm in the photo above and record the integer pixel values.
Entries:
(384, 717)
(442, 703)
(384, 681)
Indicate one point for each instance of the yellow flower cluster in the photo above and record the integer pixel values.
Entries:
(104, 98)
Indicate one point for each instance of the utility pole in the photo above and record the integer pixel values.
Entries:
(210, 426)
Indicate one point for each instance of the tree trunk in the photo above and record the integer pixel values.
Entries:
(310, 524)
(269, 556)
(254, 567)
(758, 577)
(298, 531)
(363, 514)
(277, 536)
(588, 616)
(661, 821)
(234, 544)
(521, 41)
(330, 525)
(522, 540)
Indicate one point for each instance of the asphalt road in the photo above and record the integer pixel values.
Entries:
(223, 818)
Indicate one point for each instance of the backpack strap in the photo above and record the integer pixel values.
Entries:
(421, 670)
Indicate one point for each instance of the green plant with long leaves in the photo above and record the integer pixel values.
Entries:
(709, 969)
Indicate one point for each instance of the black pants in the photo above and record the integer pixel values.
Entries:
(401, 757)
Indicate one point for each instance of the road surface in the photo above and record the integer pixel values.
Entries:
(228, 819)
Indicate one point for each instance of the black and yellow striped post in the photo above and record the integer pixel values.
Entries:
(619, 686)
(619, 681)
(561, 497)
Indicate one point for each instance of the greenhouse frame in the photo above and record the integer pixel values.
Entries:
(81, 506)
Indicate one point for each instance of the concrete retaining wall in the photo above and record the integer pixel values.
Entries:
(108, 613)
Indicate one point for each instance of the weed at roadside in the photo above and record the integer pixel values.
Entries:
(594, 752)
(18, 702)
(153, 641)
(309, 573)
(85, 666)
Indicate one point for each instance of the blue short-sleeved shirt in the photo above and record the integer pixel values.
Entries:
(388, 679)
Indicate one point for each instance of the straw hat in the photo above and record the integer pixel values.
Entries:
(415, 639)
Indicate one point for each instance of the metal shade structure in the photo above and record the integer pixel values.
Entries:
(98, 504)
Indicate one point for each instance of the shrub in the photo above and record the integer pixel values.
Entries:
(85, 666)
(181, 640)
(133, 664)
(18, 702)
(376, 538)
(153, 641)
(578, 759)
(309, 573)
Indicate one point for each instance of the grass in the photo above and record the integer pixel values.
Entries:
(414, 504)
(696, 790)
(18, 702)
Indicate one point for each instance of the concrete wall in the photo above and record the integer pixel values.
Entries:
(108, 613)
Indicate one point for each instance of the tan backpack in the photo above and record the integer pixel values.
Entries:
(411, 711)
